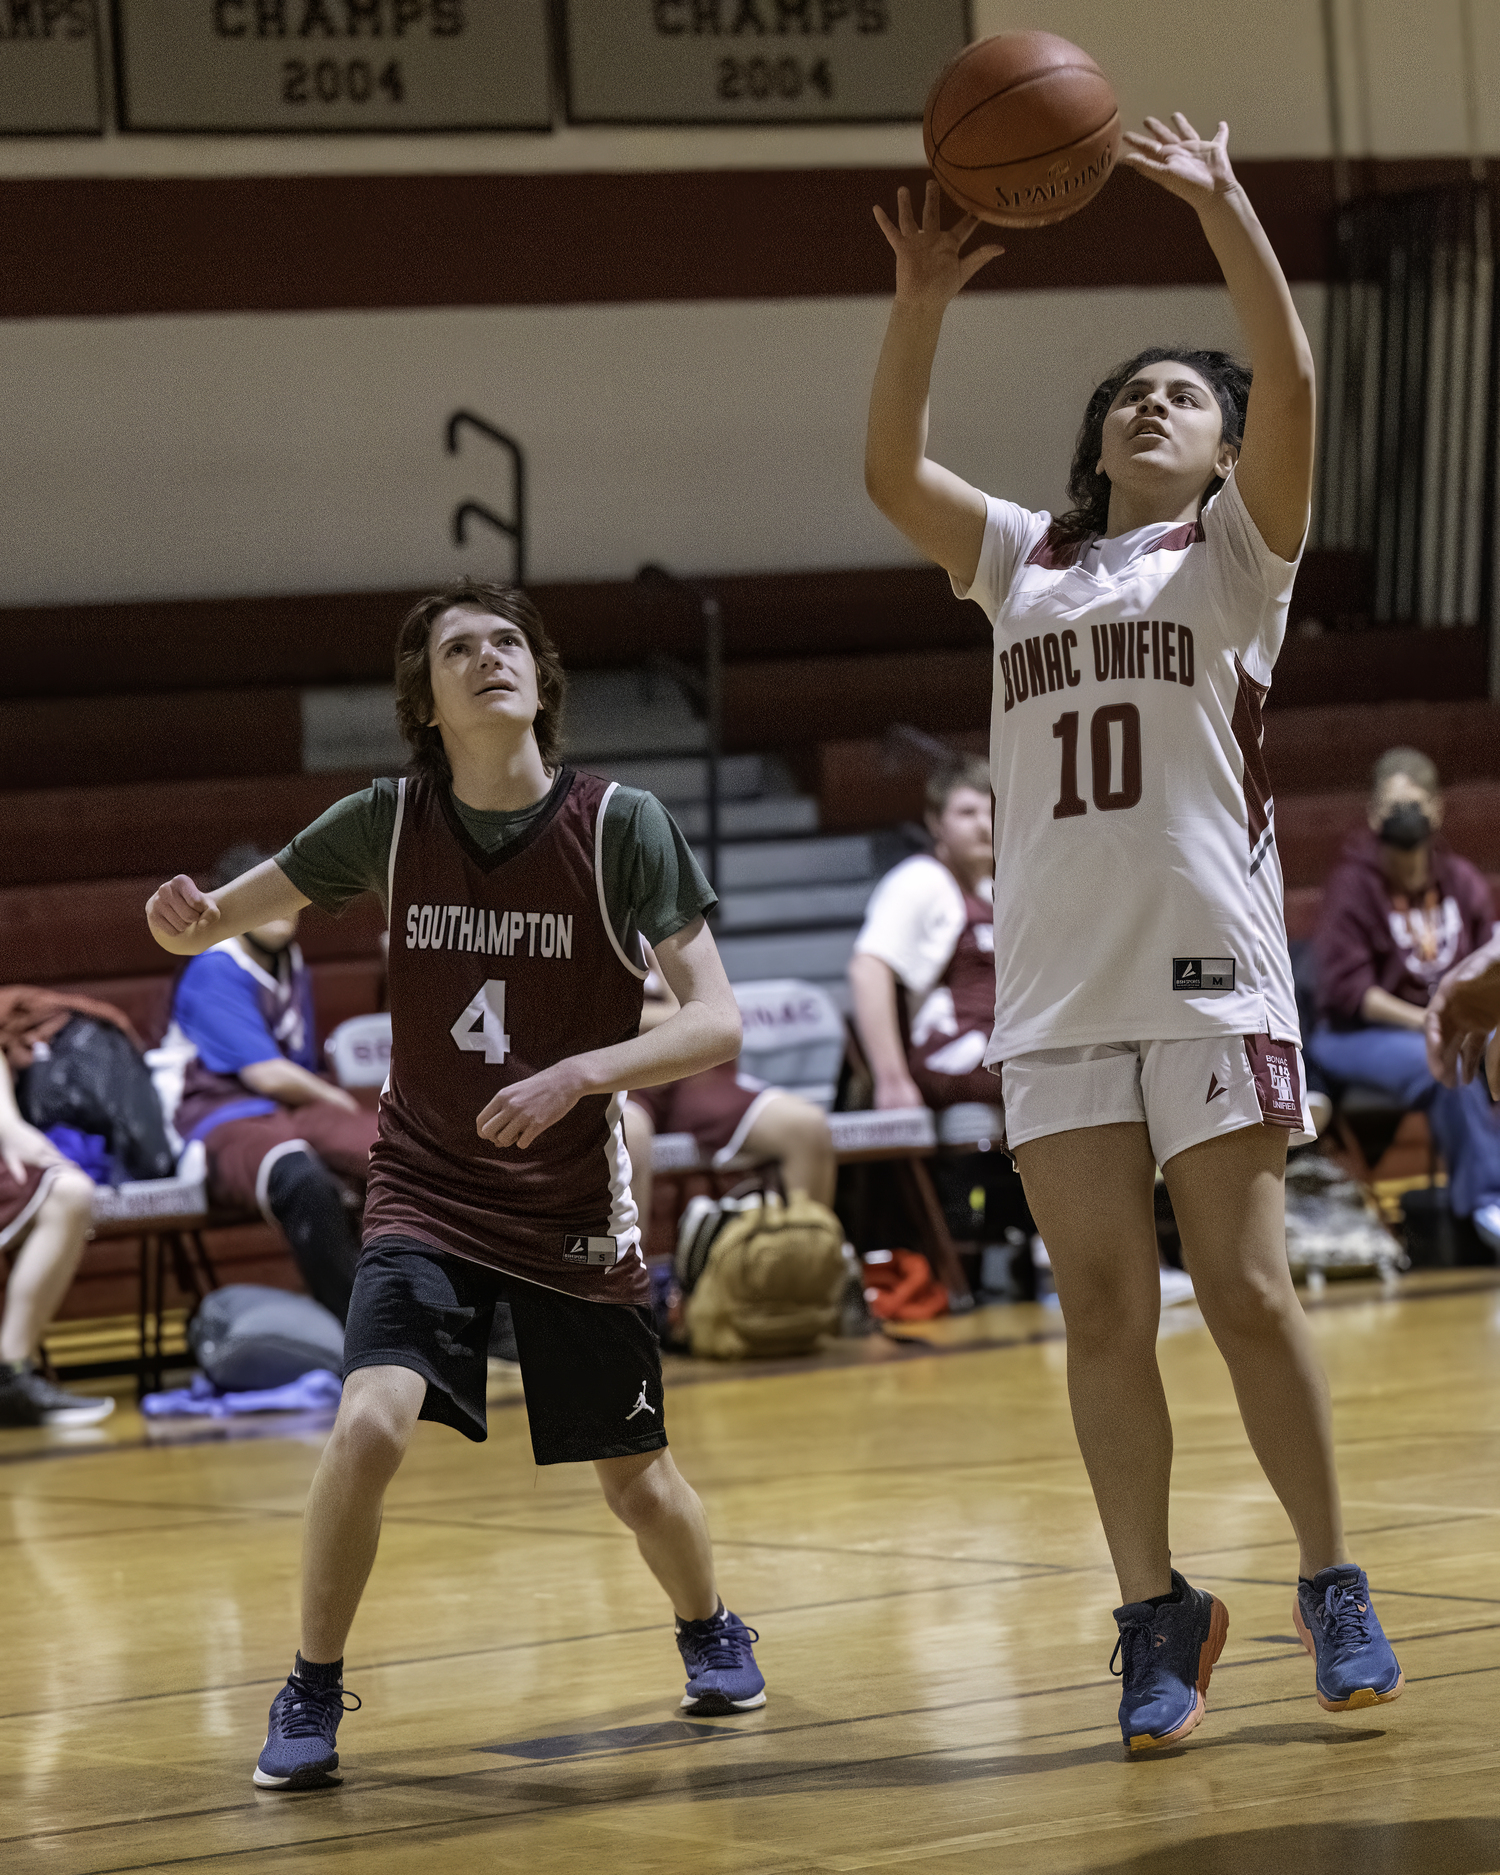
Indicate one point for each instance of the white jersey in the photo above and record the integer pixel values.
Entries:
(1138, 891)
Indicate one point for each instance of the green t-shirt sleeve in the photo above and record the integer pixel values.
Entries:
(346, 851)
(652, 883)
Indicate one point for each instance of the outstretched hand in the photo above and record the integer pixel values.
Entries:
(930, 268)
(1196, 168)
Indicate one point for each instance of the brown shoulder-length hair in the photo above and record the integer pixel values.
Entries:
(414, 671)
(1088, 486)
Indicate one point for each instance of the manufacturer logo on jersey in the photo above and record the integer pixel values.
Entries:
(1215, 1088)
(642, 1405)
(602, 1250)
(1202, 973)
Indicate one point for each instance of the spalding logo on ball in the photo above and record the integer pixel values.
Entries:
(1022, 129)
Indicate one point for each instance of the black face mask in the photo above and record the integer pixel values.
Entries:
(1405, 827)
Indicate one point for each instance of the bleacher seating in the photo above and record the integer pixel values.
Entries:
(145, 738)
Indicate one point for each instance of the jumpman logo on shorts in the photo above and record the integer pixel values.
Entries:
(642, 1405)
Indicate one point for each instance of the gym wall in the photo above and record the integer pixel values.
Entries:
(230, 361)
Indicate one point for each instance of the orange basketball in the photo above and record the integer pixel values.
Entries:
(1022, 129)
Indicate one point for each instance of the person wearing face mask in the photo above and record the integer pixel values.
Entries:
(1399, 913)
(279, 1138)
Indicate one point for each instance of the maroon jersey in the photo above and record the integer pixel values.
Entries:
(500, 965)
(970, 983)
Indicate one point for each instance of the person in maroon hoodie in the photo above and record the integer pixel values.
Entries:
(1399, 912)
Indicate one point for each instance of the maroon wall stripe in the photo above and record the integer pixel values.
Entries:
(335, 638)
(320, 243)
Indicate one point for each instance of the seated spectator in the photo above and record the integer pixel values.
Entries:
(923, 970)
(1399, 912)
(728, 1115)
(279, 1138)
(45, 1207)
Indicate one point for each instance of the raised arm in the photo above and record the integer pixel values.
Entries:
(1274, 472)
(185, 921)
(703, 1031)
(938, 512)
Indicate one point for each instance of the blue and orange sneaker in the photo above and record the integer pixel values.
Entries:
(1167, 1658)
(721, 1669)
(301, 1748)
(1339, 1627)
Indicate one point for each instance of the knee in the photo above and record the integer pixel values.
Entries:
(1105, 1310)
(371, 1437)
(294, 1179)
(70, 1196)
(1249, 1305)
(636, 1493)
(792, 1127)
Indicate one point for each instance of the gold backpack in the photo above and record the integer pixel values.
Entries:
(767, 1281)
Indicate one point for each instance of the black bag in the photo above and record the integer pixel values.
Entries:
(247, 1337)
(92, 1079)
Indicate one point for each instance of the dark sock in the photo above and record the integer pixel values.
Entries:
(704, 1620)
(323, 1676)
(1161, 1601)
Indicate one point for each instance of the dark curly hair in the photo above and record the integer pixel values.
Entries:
(414, 674)
(1088, 486)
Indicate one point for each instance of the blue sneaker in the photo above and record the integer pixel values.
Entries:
(721, 1669)
(301, 1748)
(1341, 1630)
(1167, 1657)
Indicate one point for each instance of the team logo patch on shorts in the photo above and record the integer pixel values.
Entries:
(605, 1250)
(1202, 973)
(1278, 1084)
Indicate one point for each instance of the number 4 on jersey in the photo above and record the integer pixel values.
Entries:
(481, 1027)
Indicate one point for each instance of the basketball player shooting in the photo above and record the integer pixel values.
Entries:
(1144, 1009)
(517, 893)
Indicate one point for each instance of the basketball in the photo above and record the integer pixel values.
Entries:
(1022, 129)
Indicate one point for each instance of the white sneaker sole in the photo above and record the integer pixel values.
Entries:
(88, 1415)
(690, 1700)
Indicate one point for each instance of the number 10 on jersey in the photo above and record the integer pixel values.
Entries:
(481, 1027)
(1108, 799)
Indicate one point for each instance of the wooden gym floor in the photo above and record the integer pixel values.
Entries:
(911, 1530)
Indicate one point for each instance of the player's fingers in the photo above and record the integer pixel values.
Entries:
(905, 219)
(1184, 128)
(1221, 135)
(888, 227)
(1158, 130)
(981, 257)
(932, 209)
(963, 228)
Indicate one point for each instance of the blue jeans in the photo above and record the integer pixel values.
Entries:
(1464, 1120)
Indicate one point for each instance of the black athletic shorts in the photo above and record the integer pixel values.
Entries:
(592, 1370)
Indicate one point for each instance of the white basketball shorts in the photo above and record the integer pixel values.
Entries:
(1184, 1091)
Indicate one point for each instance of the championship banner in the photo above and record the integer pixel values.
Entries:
(340, 65)
(49, 68)
(757, 61)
